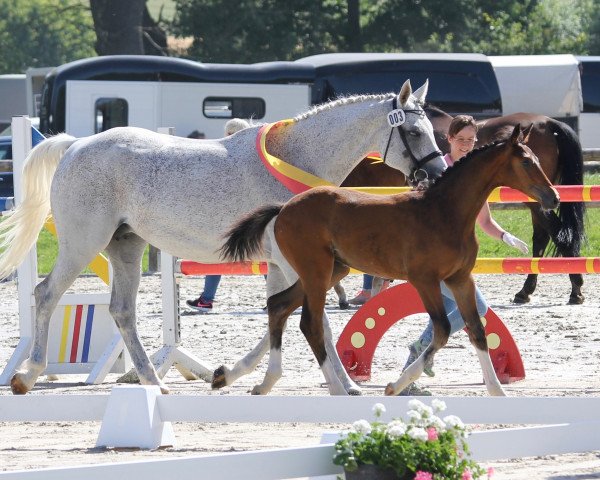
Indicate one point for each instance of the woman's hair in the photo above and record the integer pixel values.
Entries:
(235, 125)
(459, 122)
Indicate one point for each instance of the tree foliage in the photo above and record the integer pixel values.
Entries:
(43, 33)
(260, 30)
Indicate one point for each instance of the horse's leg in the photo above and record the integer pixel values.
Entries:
(224, 376)
(70, 262)
(463, 289)
(431, 295)
(541, 238)
(342, 297)
(125, 253)
(280, 306)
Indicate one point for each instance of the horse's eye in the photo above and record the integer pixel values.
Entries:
(526, 162)
(414, 133)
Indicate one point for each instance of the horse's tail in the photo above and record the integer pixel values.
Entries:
(571, 233)
(244, 239)
(21, 226)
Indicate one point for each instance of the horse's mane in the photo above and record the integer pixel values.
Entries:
(342, 101)
(462, 163)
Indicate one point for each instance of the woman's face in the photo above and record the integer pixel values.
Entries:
(463, 142)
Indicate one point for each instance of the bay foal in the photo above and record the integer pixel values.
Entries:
(424, 237)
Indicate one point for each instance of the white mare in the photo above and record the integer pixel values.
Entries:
(121, 189)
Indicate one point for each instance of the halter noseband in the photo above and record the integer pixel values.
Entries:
(417, 174)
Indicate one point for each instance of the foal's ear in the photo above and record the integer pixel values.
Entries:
(421, 92)
(516, 134)
(405, 93)
(526, 133)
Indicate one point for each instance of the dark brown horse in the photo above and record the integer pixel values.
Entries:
(561, 158)
(424, 237)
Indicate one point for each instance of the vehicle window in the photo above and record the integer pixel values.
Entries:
(590, 85)
(234, 107)
(110, 113)
(5, 151)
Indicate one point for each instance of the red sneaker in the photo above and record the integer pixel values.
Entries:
(200, 305)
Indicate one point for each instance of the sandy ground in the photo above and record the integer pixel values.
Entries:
(559, 343)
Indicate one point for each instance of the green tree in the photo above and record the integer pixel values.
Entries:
(44, 33)
(249, 31)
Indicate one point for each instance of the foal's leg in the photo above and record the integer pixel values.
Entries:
(431, 295)
(463, 290)
(224, 376)
(342, 297)
(125, 253)
(280, 307)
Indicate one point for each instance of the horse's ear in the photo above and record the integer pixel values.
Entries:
(516, 134)
(421, 92)
(526, 133)
(405, 93)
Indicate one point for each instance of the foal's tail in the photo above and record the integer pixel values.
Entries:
(571, 233)
(244, 239)
(21, 226)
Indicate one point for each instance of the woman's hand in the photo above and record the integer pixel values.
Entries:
(515, 242)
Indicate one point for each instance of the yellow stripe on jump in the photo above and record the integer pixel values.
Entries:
(586, 193)
(99, 265)
(62, 352)
(488, 265)
(535, 265)
(589, 265)
(255, 267)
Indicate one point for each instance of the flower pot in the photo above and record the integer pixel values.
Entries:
(373, 472)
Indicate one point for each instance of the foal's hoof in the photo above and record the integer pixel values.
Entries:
(576, 299)
(344, 305)
(219, 380)
(17, 386)
(521, 298)
(354, 392)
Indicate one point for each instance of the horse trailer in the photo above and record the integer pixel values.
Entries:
(92, 95)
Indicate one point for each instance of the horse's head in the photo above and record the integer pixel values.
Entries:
(525, 172)
(413, 149)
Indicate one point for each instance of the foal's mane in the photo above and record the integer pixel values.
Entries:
(342, 101)
(461, 164)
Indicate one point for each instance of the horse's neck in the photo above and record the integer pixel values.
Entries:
(467, 190)
(331, 143)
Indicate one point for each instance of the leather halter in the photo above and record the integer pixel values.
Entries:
(417, 167)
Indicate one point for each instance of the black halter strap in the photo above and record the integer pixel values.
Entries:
(417, 164)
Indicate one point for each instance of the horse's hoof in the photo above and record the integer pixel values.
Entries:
(355, 392)
(256, 390)
(521, 298)
(219, 380)
(164, 389)
(17, 386)
(344, 305)
(389, 390)
(576, 299)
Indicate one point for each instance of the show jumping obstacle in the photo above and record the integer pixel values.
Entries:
(83, 338)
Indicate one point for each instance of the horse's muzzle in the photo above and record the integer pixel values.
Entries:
(548, 198)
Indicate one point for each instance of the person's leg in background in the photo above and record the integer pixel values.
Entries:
(204, 303)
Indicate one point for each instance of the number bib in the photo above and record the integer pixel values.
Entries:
(396, 117)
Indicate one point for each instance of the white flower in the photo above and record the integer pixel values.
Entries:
(418, 433)
(438, 405)
(454, 422)
(437, 422)
(416, 405)
(413, 415)
(395, 429)
(362, 426)
(378, 409)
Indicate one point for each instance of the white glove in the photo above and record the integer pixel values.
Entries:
(514, 242)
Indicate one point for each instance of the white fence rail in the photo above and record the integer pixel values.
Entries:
(138, 416)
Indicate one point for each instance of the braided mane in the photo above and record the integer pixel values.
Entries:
(342, 101)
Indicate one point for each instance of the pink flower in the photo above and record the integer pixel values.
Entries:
(490, 472)
(432, 434)
(423, 475)
(467, 475)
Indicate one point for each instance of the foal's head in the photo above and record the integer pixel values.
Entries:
(525, 172)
